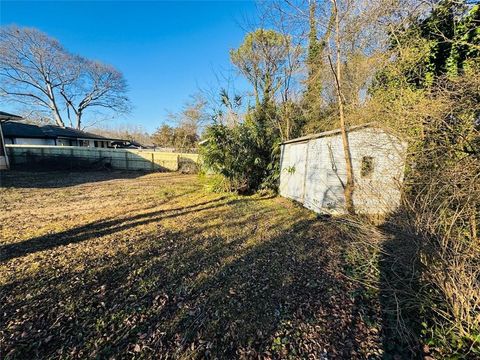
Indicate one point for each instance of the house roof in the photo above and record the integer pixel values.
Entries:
(7, 116)
(58, 131)
(328, 133)
(17, 129)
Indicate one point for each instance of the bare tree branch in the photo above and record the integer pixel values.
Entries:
(36, 67)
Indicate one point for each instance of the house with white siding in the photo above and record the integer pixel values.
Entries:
(313, 170)
(20, 133)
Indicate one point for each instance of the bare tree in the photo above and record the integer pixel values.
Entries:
(349, 185)
(96, 86)
(188, 122)
(288, 83)
(32, 69)
(35, 70)
(127, 131)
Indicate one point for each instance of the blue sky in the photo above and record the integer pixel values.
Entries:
(166, 50)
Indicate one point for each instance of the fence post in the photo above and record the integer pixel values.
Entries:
(10, 153)
(126, 160)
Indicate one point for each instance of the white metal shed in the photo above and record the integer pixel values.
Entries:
(313, 170)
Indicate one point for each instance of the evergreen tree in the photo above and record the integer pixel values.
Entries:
(312, 101)
(314, 55)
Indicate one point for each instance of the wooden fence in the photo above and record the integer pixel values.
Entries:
(76, 157)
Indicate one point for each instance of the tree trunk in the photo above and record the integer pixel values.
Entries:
(53, 106)
(56, 115)
(79, 120)
(255, 89)
(349, 186)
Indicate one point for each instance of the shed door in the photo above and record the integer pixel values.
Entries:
(292, 176)
(325, 173)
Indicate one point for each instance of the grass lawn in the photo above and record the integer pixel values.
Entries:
(116, 265)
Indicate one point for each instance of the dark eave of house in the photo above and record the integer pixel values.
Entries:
(15, 129)
(6, 116)
(59, 132)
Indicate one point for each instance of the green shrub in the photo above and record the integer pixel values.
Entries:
(246, 155)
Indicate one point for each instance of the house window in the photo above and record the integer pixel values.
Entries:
(63, 142)
(367, 166)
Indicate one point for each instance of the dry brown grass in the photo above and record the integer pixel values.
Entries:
(122, 265)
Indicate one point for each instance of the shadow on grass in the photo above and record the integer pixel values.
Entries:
(101, 228)
(400, 290)
(192, 293)
(60, 179)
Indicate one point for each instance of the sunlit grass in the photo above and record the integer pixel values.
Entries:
(132, 266)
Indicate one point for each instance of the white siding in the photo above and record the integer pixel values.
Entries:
(379, 192)
(325, 173)
(321, 188)
(34, 141)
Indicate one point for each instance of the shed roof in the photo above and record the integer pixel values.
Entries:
(19, 129)
(328, 133)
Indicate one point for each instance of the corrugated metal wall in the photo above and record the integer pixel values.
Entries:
(313, 172)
